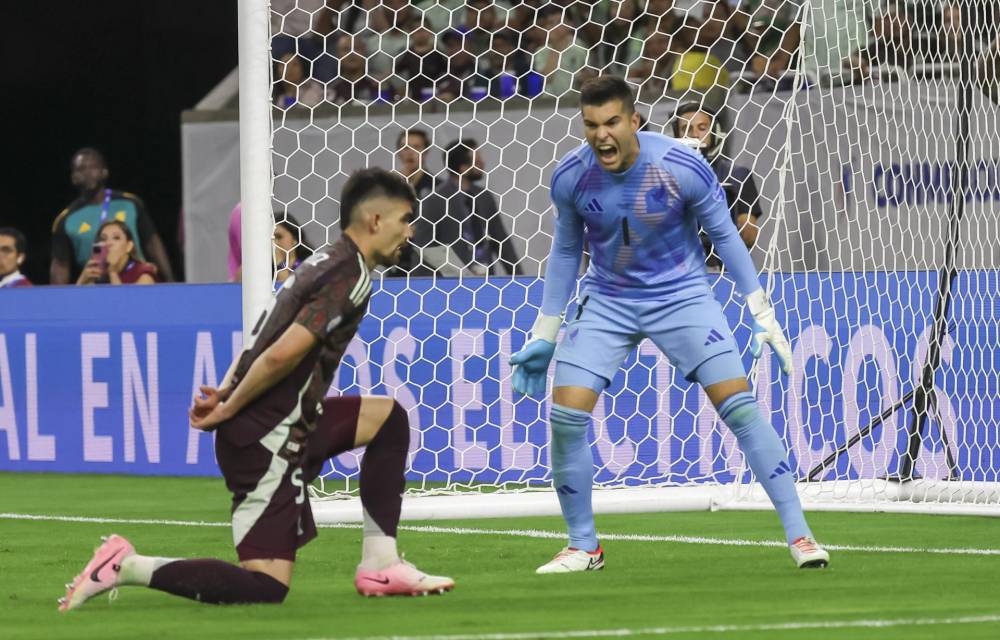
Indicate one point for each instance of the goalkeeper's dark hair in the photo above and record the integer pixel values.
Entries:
(604, 89)
(459, 153)
(372, 183)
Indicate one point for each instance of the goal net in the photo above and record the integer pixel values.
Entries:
(857, 144)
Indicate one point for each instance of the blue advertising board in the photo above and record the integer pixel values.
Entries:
(99, 379)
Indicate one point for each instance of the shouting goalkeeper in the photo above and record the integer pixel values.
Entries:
(639, 199)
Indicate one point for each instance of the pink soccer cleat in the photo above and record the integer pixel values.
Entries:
(100, 574)
(400, 579)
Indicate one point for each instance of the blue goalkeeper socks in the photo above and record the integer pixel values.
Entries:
(767, 459)
(573, 474)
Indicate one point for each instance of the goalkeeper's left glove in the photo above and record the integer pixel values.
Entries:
(766, 329)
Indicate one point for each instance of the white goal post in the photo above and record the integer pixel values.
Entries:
(874, 156)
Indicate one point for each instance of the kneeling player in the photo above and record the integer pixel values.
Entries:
(275, 430)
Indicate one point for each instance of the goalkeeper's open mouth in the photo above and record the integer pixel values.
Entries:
(608, 154)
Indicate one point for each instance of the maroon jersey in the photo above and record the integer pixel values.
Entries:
(328, 295)
(135, 269)
(14, 280)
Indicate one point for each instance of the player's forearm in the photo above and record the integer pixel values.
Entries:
(563, 265)
(263, 374)
(735, 256)
(225, 387)
(560, 283)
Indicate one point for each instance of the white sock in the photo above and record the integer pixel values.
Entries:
(138, 570)
(378, 550)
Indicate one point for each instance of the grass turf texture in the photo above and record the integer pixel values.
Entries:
(645, 585)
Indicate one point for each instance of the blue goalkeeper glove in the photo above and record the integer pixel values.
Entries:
(531, 363)
(766, 329)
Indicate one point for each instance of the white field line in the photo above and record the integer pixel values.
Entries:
(664, 631)
(527, 533)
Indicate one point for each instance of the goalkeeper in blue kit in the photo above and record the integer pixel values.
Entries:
(639, 199)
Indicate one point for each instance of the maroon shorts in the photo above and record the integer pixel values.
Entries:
(269, 478)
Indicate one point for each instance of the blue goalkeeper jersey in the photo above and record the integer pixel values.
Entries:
(641, 226)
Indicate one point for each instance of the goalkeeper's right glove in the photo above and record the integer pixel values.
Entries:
(531, 363)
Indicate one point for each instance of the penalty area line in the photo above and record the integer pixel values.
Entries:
(523, 533)
(720, 629)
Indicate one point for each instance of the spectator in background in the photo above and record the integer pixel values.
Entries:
(114, 260)
(890, 45)
(419, 67)
(561, 61)
(504, 66)
(353, 83)
(653, 69)
(292, 83)
(411, 148)
(13, 253)
(290, 247)
(235, 260)
(700, 127)
(769, 33)
(389, 26)
(706, 48)
(461, 67)
(300, 27)
(75, 229)
(950, 38)
(480, 21)
(439, 14)
(465, 216)
(648, 19)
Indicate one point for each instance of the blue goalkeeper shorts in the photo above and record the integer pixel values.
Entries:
(692, 333)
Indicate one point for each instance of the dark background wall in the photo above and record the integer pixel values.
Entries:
(113, 74)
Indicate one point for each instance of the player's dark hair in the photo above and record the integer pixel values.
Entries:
(459, 153)
(20, 242)
(604, 89)
(89, 151)
(372, 183)
(406, 133)
(288, 222)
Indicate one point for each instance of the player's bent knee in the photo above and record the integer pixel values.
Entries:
(271, 590)
(719, 392)
(568, 422)
(577, 398)
(377, 413)
(394, 431)
(278, 570)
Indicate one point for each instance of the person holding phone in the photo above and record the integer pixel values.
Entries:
(113, 259)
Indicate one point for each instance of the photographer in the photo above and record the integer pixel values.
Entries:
(113, 259)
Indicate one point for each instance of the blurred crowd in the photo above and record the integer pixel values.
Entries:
(339, 51)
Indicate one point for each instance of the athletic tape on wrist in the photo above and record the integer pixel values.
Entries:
(546, 328)
(757, 302)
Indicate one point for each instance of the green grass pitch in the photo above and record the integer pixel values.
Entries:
(649, 589)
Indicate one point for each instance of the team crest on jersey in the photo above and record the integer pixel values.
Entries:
(657, 200)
